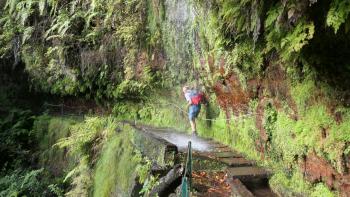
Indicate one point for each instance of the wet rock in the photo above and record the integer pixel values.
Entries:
(239, 190)
(177, 192)
(236, 162)
(165, 182)
(156, 149)
(317, 169)
(246, 173)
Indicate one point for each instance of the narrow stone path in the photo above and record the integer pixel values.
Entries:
(217, 169)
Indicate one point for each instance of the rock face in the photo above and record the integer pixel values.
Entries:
(178, 38)
(317, 169)
(280, 67)
(156, 149)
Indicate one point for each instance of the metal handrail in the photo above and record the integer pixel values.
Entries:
(186, 183)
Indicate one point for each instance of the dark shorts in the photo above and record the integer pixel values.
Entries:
(194, 111)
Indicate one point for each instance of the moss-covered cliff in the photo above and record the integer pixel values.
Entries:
(276, 72)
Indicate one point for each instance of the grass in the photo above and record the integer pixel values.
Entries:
(295, 184)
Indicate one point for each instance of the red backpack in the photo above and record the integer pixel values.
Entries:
(197, 99)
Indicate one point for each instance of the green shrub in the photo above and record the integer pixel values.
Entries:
(322, 190)
(16, 139)
(26, 183)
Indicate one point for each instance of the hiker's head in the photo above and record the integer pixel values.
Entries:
(185, 88)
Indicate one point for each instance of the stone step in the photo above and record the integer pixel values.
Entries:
(227, 155)
(245, 173)
(217, 155)
(217, 145)
(222, 149)
(236, 162)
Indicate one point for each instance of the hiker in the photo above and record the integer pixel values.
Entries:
(194, 99)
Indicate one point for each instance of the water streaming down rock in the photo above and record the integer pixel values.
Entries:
(180, 12)
(179, 40)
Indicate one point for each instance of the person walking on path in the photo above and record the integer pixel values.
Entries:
(194, 98)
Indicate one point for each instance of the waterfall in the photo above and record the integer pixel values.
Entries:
(178, 37)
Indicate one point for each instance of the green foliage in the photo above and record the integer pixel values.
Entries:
(338, 14)
(84, 49)
(287, 41)
(116, 170)
(284, 145)
(295, 183)
(163, 108)
(238, 132)
(23, 183)
(245, 59)
(105, 50)
(107, 163)
(270, 120)
(81, 178)
(48, 131)
(322, 190)
(85, 135)
(26, 141)
(16, 138)
(241, 18)
(85, 141)
(245, 137)
(155, 15)
(340, 132)
(302, 92)
(295, 41)
(149, 183)
(126, 110)
(143, 170)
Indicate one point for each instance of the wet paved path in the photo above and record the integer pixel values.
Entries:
(217, 169)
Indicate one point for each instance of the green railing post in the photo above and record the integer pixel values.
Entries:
(187, 178)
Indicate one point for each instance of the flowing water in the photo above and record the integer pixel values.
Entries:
(181, 140)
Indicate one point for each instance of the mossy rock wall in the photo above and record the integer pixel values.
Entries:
(276, 72)
(280, 102)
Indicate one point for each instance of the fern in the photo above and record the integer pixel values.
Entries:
(60, 26)
(272, 15)
(338, 14)
(27, 34)
(24, 10)
(11, 5)
(41, 4)
(241, 17)
(295, 41)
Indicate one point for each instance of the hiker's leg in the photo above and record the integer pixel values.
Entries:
(193, 125)
(191, 117)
